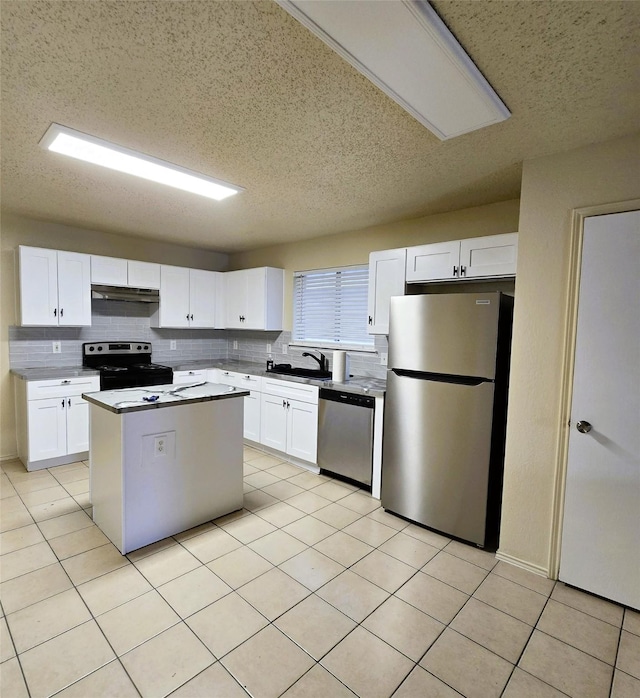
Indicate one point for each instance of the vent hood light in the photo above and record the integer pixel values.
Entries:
(407, 51)
(75, 144)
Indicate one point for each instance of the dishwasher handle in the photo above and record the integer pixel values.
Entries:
(347, 398)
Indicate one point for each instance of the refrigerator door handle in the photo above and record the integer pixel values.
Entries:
(441, 377)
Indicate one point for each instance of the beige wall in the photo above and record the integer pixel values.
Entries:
(15, 230)
(551, 188)
(354, 247)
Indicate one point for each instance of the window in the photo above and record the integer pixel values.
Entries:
(330, 308)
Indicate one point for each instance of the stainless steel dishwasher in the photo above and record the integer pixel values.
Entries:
(345, 434)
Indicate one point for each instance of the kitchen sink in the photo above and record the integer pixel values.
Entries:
(288, 370)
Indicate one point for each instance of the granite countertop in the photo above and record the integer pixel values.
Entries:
(361, 385)
(53, 372)
(127, 400)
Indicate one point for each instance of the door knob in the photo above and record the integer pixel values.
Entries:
(584, 427)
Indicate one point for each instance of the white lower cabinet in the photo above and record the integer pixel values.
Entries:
(289, 418)
(252, 406)
(53, 421)
(187, 377)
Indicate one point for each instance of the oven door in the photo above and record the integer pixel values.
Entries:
(135, 379)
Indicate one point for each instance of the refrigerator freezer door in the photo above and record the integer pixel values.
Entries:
(436, 450)
(452, 334)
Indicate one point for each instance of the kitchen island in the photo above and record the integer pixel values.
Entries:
(164, 459)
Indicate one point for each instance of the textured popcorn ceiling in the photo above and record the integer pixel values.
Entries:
(241, 91)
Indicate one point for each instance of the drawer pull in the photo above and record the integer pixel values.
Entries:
(65, 382)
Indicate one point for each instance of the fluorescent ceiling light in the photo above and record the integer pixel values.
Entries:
(61, 139)
(405, 49)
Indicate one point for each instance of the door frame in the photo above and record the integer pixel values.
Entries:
(578, 216)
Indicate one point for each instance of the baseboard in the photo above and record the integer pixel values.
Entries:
(7, 458)
(523, 564)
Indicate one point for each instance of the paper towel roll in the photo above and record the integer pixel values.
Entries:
(340, 370)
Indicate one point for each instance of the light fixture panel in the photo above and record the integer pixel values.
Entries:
(75, 144)
(405, 49)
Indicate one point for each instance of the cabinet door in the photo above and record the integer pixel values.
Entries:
(256, 299)
(202, 296)
(38, 270)
(302, 430)
(273, 422)
(252, 416)
(236, 298)
(439, 261)
(77, 424)
(74, 289)
(47, 428)
(174, 296)
(490, 256)
(143, 274)
(386, 279)
(110, 271)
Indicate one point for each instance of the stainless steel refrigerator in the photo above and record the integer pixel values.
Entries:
(445, 411)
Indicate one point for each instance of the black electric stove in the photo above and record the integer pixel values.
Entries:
(124, 364)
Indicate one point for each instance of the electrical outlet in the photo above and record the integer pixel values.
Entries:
(57, 347)
(235, 343)
(384, 358)
(160, 446)
(285, 349)
(268, 348)
(172, 345)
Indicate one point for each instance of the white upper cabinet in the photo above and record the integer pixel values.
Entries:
(143, 274)
(435, 262)
(492, 256)
(111, 271)
(202, 298)
(254, 298)
(55, 287)
(187, 298)
(386, 279)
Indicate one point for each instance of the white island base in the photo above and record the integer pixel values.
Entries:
(157, 472)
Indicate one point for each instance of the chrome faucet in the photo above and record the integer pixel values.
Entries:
(322, 360)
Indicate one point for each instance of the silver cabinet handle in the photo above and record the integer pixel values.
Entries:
(584, 427)
(69, 403)
(463, 271)
(65, 382)
(63, 404)
(455, 271)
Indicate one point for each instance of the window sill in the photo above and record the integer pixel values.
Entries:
(337, 347)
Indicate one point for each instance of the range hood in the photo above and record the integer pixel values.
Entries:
(125, 293)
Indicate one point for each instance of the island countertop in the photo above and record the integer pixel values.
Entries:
(126, 400)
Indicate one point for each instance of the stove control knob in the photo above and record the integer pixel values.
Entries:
(91, 348)
(146, 347)
(139, 347)
(99, 348)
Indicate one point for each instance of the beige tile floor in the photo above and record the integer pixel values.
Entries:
(311, 590)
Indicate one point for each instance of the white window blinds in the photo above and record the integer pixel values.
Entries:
(330, 308)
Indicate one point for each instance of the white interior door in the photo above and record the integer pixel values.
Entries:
(600, 550)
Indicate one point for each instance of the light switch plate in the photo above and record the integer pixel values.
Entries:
(235, 343)
(172, 345)
(285, 348)
(268, 348)
(384, 357)
(57, 347)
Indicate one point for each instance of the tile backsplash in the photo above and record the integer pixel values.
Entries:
(31, 347)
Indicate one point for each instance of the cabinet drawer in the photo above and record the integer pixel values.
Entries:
(62, 387)
(296, 391)
(241, 380)
(185, 377)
